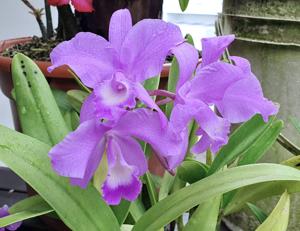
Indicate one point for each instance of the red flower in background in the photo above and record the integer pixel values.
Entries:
(80, 5)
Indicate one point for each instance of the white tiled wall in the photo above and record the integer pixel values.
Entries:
(197, 20)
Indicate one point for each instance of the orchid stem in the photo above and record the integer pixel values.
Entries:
(164, 101)
(164, 93)
(288, 145)
(38, 16)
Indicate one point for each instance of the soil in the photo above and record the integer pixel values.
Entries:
(36, 49)
(40, 49)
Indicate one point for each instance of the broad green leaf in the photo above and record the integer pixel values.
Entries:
(153, 195)
(29, 114)
(172, 82)
(30, 82)
(243, 138)
(137, 209)
(126, 227)
(76, 98)
(205, 216)
(177, 203)
(279, 218)
(79, 209)
(292, 162)
(152, 84)
(262, 144)
(71, 119)
(28, 208)
(191, 171)
(183, 4)
(166, 185)
(61, 99)
(258, 212)
(258, 192)
(121, 211)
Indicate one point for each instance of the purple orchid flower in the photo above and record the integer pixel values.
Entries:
(3, 213)
(116, 69)
(233, 89)
(79, 154)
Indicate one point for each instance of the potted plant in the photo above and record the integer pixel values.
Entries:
(92, 173)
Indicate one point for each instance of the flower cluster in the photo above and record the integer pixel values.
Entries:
(110, 123)
(3, 213)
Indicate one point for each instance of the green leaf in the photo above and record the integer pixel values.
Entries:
(121, 211)
(240, 141)
(172, 82)
(191, 171)
(61, 99)
(137, 209)
(28, 208)
(258, 212)
(39, 113)
(279, 218)
(205, 216)
(76, 98)
(292, 162)
(151, 188)
(79, 209)
(183, 4)
(29, 114)
(126, 227)
(152, 84)
(258, 192)
(166, 185)
(177, 203)
(262, 144)
(190, 39)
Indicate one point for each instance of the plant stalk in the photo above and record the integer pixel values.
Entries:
(38, 16)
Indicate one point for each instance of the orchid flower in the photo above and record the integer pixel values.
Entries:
(116, 69)
(79, 5)
(3, 213)
(233, 89)
(79, 154)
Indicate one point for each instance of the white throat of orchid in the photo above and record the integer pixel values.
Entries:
(115, 91)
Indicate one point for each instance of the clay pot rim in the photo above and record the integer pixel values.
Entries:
(58, 73)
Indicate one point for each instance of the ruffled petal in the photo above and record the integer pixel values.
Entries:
(87, 111)
(211, 81)
(213, 129)
(146, 46)
(122, 179)
(72, 156)
(83, 5)
(146, 125)
(243, 100)
(187, 57)
(242, 63)
(120, 24)
(214, 47)
(132, 153)
(90, 56)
